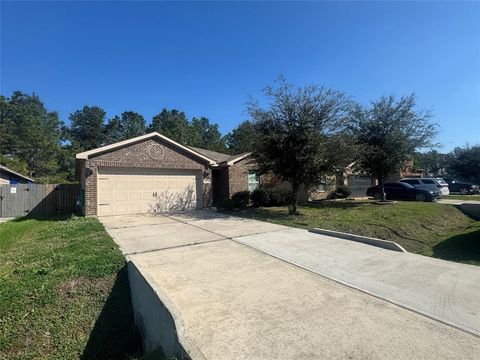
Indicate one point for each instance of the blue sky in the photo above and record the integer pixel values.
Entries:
(206, 58)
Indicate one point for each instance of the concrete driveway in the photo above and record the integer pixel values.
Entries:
(446, 291)
(469, 207)
(244, 289)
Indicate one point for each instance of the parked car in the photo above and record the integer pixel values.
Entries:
(461, 187)
(427, 184)
(443, 186)
(404, 191)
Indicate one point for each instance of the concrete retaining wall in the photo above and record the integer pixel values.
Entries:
(157, 320)
(385, 244)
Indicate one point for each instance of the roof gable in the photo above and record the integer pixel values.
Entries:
(236, 158)
(10, 171)
(111, 147)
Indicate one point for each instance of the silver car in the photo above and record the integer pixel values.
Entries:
(428, 184)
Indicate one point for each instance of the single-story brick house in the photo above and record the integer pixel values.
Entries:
(8, 176)
(152, 173)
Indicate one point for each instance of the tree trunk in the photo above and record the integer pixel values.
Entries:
(294, 204)
(382, 188)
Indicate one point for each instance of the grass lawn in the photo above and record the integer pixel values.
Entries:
(463, 197)
(430, 229)
(64, 292)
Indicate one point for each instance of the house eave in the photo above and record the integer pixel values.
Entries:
(87, 154)
(237, 159)
(3, 168)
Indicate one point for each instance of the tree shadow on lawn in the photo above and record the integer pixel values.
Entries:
(114, 335)
(54, 217)
(462, 248)
(342, 204)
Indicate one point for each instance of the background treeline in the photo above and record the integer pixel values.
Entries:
(463, 163)
(36, 142)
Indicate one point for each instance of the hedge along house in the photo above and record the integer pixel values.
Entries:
(153, 173)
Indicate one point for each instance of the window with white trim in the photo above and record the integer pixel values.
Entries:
(321, 185)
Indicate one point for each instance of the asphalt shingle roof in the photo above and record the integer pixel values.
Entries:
(217, 156)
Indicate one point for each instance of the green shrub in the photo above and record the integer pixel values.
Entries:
(341, 192)
(241, 199)
(271, 197)
(227, 204)
(258, 198)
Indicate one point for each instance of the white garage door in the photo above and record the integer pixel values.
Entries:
(134, 191)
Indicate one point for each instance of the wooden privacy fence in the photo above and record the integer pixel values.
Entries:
(38, 199)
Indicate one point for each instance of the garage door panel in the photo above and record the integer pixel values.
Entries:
(138, 194)
(135, 185)
(105, 185)
(146, 195)
(107, 197)
(358, 184)
(120, 196)
(120, 185)
(120, 209)
(150, 185)
(129, 191)
(106, 209)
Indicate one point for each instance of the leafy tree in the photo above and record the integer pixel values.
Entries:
(342, 149)
(464, 163)
(173, 124)
(292, 135)
(66, 159)
(132, 125)
(388, 133)
(8, 138)
(113, 130)
(240, 139)
(431, 162)
(205, 135)
(129, 125)
(66, 164)
(30, 135)
(87, 128)
(7, 125)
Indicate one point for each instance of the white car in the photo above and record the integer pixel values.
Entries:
(428, 184)
(444, 186)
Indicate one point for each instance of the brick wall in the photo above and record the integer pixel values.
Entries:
(90, 188)
(238, 176)
(238, 181)
(151, 153)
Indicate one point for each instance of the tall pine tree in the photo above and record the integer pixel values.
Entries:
(87, 128)
(31, 135)
(174, 124)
